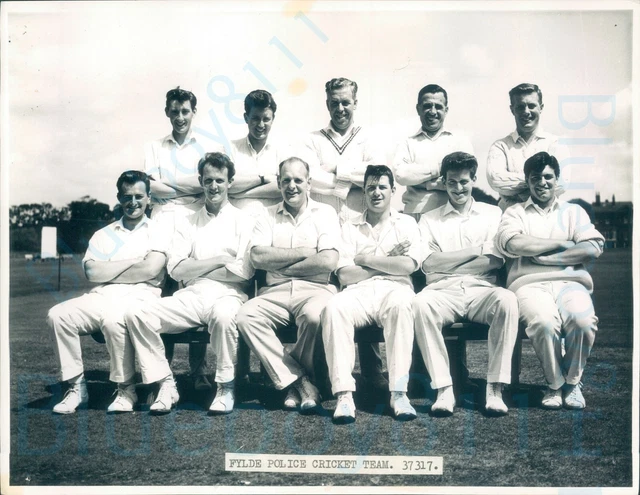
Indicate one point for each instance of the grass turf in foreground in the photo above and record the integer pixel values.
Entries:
(529, 447)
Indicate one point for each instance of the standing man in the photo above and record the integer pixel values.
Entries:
(296, 242)
(417, 160)
(505, 161)
(461, 266)
(548, 242)
(121, 260)
(338, 156)
(256, 157)
(207, 255)
(172, 164)
(381, 249)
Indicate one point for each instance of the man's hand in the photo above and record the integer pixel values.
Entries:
(400, 249)
(360, 259)
(541, 260)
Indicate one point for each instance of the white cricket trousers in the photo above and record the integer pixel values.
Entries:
(94, 312)
(381, 302)
(493, 306)
(550, 311)
(274, 308)
(207, 303)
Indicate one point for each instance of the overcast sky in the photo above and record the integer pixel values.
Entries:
(86, 82)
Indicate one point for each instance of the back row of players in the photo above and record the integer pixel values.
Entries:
(328, 209)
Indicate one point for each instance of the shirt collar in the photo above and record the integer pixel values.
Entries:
(442, 131)
(191, 138)
(529, 202)
(448, 209)
(540, 133)
(253, 151)
(330, 130)
(205, 213)
(361, 218)
(119, 225)
(311, 205)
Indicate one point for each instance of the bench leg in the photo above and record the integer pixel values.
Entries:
(244, 355)
(516, 363)
(169, 347)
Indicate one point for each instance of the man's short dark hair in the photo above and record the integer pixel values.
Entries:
(217, 160)
(259, 99)
(181, 95)
(377, 172)
(457, 161)
(525, 89)
(340, 83)
(293, 159)
(133, 177)
(538, 162)
(433, 89)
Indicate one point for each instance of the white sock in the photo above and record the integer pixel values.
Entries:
(76, 380)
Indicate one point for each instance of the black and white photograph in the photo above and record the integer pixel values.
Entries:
(319, 247)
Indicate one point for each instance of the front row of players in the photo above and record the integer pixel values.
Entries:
(214, 253)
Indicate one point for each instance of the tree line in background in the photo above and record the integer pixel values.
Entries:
(76, 223)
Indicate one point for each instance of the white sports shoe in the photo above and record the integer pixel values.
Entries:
(167, 398)
(402, 408)
(309, 395)
(552, 399)
(76, 397)
(495, 405)
(126, 399)
(345, 412)
(573, 398)
(292, 400)
(224, 399)
(445, 403)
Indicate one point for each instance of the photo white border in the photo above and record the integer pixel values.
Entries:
(8, 8)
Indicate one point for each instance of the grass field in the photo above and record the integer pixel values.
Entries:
(529, 447)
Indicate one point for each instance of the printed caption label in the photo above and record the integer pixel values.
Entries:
(335, 464)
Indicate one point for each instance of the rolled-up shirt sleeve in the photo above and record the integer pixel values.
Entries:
(242, 266)
(412, 233)
(262, 233)
(488, 246)
(328, 228)
(181, 245)
(428, 242)
(95, 250)
(347, 246)
(511, 225)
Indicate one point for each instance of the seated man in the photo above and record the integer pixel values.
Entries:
(207, 255)
(256, 157)
(548, 242)
(130, 273)
(381, 249)
(461, 266)
(296, 242)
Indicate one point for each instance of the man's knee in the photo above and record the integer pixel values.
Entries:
(506, 301)
(247, 318)
(225, 315)
(60, 314)
(543, 326)
(422, 305)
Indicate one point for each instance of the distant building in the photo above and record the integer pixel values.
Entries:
(614, 219)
